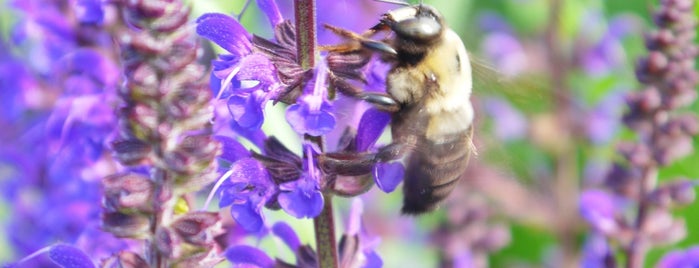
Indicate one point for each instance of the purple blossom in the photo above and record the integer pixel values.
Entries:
(604, 120)
(247, 79)
(247, 190)
(607, 53)
(313, 114)
(596, 252)
(89, 11)
(509, 123)
(302, 198)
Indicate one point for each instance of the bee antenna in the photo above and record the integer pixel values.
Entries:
(396, 2)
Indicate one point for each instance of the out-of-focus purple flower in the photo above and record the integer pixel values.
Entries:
(509, 123)
(681, 258)
(500, 45)
(607, 53)
(313, 114)
(47, 33)
(603, 121)
(600, 209)
(247, 190)
(596, 252)
(89, 11)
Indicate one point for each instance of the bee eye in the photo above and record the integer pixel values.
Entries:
(418, 29)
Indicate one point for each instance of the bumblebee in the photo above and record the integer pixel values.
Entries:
(427, 92)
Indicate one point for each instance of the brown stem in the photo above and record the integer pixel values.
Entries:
(324, 224)
(305, 14)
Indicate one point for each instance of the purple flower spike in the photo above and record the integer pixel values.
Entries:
(248, 257)
(69, 256)
(312, 115)
(370, 127)
(388, 175)
(599, 208)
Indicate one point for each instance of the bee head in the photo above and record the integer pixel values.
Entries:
(418, 23)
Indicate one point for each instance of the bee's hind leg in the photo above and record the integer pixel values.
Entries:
(350, 163)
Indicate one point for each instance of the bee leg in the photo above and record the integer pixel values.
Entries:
(360, 163)
(381, 101)
(363, 40)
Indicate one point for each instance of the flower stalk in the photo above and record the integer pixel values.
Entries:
(324, 224)
(165, 127)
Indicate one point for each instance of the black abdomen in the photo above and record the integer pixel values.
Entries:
(433, 170)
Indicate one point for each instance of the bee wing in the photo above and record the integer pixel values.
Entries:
(489, 80)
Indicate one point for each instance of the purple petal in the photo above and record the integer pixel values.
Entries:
(256, 67)
(370, 127)
(69, 256)
(284, 231)
(248, 216)
(388, 175)
(255, 135)
(248, 255)
(304, 120)
(225, 32)
(301, 198)
(232, 193)
(246, 111)
(595, 251)
(232, 149)
(269, 7)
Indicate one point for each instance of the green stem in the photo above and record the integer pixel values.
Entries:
(324, 226)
